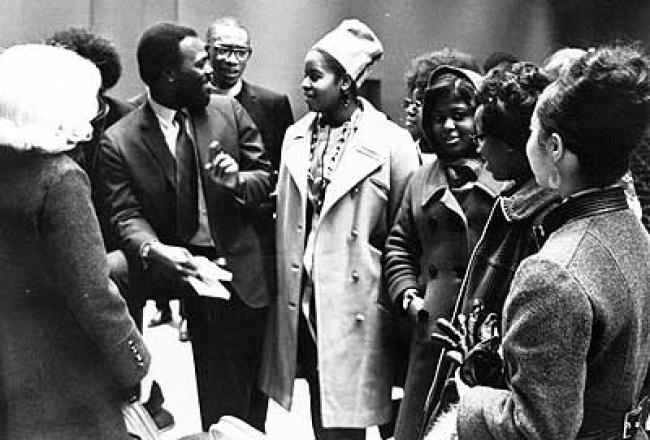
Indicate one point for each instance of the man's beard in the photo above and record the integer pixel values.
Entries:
(195, 99)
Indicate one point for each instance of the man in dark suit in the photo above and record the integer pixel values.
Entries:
(181, 176)
(230, 49)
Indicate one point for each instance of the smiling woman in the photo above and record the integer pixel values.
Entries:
(343, 170)
(443, 211)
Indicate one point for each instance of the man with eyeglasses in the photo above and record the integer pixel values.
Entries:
(230, 49)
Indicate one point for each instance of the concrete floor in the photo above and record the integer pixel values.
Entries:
(173, 368)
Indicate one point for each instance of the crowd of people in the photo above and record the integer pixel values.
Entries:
(490, 256)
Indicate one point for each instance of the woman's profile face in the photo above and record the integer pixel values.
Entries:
(319, 84)
(538, 156)
(452, 124)
(501, 159)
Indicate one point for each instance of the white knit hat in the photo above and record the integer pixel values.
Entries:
(355, 46)
(49, 110)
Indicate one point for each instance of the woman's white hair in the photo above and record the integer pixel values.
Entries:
(48, 96)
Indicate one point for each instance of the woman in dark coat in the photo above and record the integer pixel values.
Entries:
(577, 317)
(506, 98)
(443, 211)
(70, 355)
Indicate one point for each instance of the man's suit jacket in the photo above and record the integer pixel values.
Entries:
(271, 112)
(138, 184)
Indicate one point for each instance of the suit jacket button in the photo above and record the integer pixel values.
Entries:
(354, 276)
(433, 271)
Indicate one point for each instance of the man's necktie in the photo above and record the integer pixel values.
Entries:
(187, 217)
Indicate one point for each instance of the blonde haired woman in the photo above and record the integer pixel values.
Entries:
(70, 355)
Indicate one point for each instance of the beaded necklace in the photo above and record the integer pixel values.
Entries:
(324, 160)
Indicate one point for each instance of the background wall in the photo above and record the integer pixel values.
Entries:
(283, 30)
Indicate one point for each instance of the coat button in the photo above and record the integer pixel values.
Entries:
(354, 234)
(359, 317)
(299, 228)
(292, 305)
(30, 292)
(433, 271)
(295, 267)
(354, 276)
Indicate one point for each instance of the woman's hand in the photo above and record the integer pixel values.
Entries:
(453, 339)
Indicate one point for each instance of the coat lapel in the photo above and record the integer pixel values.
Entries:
(436, 187)
(202, 133)
(356, 163)
(360, 158)
(154, 140)
(296, 156)
(247, 94)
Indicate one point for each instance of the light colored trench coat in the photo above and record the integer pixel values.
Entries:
(354, 323)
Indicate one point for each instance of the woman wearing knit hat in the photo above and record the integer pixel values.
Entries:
(344, 169)
(444, 209)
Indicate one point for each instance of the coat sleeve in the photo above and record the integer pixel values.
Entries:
(404, 161)
(255, 171)
(403, 250)
(547, 330)
(119, 201)
(77, 264)
(285, 115)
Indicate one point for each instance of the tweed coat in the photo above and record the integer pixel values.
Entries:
(143, 208)
(575, 323)
(354, 320)
(68, 347)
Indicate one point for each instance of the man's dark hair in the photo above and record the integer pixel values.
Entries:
(158, 49)
(97, 49)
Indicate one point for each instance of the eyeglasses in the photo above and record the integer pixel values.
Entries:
(478, 137)
(409, 102)
(225, 52)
